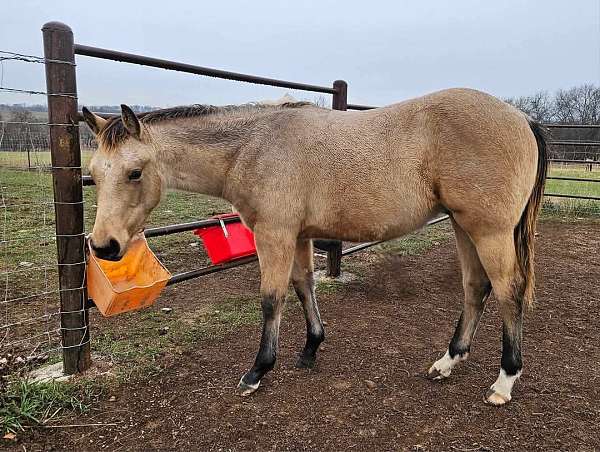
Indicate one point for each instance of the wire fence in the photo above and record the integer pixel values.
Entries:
(30, 314)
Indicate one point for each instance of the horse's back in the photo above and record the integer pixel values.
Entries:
(381, 173)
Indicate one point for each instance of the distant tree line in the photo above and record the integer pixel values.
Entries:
(577, 105)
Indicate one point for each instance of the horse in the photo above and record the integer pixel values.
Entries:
(297, 172)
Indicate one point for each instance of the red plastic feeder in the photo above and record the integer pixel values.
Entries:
(226, 242)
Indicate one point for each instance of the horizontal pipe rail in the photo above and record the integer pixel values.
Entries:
(581, 162)
(573, 143)
(577, 179)
(114, 55)
(185, 276)
(558, 195)
(573, 126)
(183, 227)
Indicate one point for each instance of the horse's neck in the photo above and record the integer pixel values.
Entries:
(196, 156)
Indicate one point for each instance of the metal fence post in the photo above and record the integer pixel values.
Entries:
(334, 253)
(68, 194)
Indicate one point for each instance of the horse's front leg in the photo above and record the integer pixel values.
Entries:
(275, 248)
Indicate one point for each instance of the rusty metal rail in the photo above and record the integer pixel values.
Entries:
(106, 54)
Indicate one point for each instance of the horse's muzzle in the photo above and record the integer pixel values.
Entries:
(110, 252)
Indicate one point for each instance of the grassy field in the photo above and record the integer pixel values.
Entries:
(573, 188)
(38, 158)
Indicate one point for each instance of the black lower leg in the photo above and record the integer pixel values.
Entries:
(460, 344)
(315, 334)
(511, 361)
(267, 353)
(457, 347)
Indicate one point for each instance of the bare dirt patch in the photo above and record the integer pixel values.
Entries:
(387, 326)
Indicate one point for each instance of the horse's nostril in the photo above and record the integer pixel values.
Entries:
(114, 247)
(109, 252)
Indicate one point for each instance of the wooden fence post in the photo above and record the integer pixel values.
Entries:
(68, 194)
(334, 253)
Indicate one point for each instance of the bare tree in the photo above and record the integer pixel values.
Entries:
(539, 106)
(577, 105)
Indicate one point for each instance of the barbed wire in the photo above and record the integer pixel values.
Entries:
(42, 93)
(30, 58)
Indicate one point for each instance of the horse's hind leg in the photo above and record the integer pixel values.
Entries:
(477, 288)
(498, 256)
(275, 249)
(304, 285)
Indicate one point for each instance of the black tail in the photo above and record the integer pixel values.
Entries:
(525, 230)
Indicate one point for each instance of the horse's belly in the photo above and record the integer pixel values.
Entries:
(358, 225)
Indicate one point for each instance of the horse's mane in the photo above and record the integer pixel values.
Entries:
(115, 133)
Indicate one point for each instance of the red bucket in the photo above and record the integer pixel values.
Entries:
(226, 242)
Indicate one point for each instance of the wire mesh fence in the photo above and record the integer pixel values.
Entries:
(30, 315)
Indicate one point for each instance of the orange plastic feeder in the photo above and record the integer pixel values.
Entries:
(227, 242)
(132, 283)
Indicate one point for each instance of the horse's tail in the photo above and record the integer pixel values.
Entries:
(525, 229)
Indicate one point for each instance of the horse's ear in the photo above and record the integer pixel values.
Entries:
(131, 122)
(95, 122)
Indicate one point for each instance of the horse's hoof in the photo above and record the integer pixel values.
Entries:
(246, 389)
(305, 362)
(435, 374)
(496, 399)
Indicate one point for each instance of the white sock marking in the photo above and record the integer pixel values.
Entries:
(445, 364)
(504, 384)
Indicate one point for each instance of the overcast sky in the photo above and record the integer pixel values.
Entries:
(386, 50)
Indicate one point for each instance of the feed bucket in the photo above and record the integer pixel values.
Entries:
(132, 283)
(226, 242)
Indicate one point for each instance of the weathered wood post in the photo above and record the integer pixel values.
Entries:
(334, 254)
(68, 194)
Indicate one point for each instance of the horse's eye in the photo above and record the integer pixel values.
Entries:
(136, 174)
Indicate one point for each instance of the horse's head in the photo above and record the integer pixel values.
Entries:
(128, 181)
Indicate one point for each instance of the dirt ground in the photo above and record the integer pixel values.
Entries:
(387, 326)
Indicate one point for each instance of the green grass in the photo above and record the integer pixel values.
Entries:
(574, 187)
(559, 206)
(418, 242)
(24, 403)
(327, 286)
(37, 158)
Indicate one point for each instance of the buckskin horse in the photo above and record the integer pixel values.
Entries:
(296, 172)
